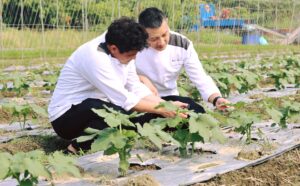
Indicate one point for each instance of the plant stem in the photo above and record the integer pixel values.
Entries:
(123, 164)
(183, 151)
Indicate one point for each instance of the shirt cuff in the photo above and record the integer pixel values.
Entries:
(130, 102)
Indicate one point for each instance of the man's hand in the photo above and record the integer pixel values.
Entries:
(149, 84)
(219, 102)
(222, 104)
(171, 114)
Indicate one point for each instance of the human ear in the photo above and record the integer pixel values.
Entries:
(113, 49)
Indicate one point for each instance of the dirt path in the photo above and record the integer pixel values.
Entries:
(283, 170)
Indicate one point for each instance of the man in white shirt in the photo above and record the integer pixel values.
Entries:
(102, 72)
(169, 52)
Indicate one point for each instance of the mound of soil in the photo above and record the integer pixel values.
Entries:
(142, 180)
(283, 170)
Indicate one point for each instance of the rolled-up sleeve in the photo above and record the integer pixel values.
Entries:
(134, 84)
(198, 76)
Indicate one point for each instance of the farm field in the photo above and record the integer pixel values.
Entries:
(251, 49)
(261, 90)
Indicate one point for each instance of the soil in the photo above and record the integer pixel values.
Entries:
(142, 180)
(5, 117)
(252, 155)
(138, 167)
(48, 144)
(283, 170)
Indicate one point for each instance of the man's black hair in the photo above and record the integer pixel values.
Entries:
(151, 17)
(127, 35)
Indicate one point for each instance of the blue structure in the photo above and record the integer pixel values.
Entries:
(253, 38)
(206, 18)
(250, 38)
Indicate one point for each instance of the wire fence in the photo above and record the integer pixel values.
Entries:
(54, 28)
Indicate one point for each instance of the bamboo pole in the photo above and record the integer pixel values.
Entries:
(43, 29)
(1, 30)
(22, 27)
(1, 26)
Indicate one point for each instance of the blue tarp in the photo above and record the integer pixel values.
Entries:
(223, 23)
(207, 21)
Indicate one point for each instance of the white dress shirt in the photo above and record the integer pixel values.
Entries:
(164, 67)
(93, 73)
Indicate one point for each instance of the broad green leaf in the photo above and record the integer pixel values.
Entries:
(233, 80)
(218, 135)
(233, 122)
(129, 133)
(251, 77)
(161, 122)
(166, 137)
(174, 122)
(210, 120)
(167, 105)
(294, 106)
(275, 114)
(127, 122)
(195, 137)
(64, 164)
(183, 92)
(17, 82)
(149, 131)
(201, 128)
(19, 108)
(136, 114)
(36, 154)
(103, 141)
(39, 110)
(17, 164)
(27, 182)
(112, 121)
(36, 168)
(90, 130)
(182, 136)
(86, 138)
(118, 140)
(193, 124)
(110, 151)
(5, 164)
(101, 112)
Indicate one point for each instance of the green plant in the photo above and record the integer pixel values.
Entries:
(23, 111)
(244, 120)
(16, 84)
(26, 168)
(289, 111)
(121, 135)
(195, 128)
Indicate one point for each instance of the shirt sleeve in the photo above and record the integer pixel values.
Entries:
(134, 84)
(96, 67)
(197, 74)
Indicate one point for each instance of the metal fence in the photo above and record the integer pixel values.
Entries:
(53, 28)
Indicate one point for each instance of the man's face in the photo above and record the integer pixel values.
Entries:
(159, 37)
(125, 57)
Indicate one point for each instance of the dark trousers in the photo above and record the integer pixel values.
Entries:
(79, 117)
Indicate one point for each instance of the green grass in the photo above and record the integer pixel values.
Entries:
(211, 50)
(26, 47)
(35, 53)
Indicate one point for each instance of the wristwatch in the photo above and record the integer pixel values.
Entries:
(215, 100)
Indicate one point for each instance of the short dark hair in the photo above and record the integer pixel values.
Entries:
(151, 17)
(127, 35)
